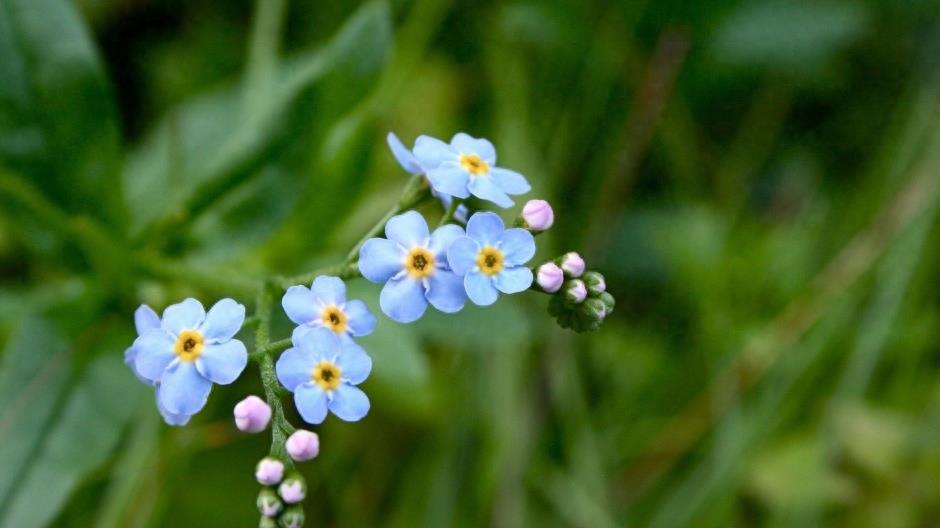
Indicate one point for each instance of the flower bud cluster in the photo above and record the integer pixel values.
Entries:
(279, 500)
(579, 298)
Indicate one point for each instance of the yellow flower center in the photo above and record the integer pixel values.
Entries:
(189, 345)
(473, 164)
(326, 375)
(334, 319)
(419, 262)
(490, 260)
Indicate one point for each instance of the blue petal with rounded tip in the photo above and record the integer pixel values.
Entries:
(408, 229)
(349, 403)
(222, 363)
(513, 280)
(355, 365)
(185, 315)
(431, 152)
(485, 188)
(130, 359)
(403, 156)
(311, 402)
(511, 182)
(517, 245)
(145, 319)
(446, 291)
(300, 305)
(403, 300)
(449, 178)
(154, 352)
(223, 321)
(295, 367)
(467, 144)
(486, 228)
(480, 288)
(380, 259)
(329, 289)
(168, 417)
(361, 321)
(183, 390)
(462, 255)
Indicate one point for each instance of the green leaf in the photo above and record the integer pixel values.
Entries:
(58, 122)
(34, 370)
(80, 440)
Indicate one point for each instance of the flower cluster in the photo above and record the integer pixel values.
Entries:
(280, 497)
(580, 300)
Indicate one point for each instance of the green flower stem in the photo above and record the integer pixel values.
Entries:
(451, 210)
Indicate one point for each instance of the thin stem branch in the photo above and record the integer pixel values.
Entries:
(450, 211)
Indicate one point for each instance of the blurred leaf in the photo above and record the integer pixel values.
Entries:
(81, 439)
(792, 35)
(873, 439)
(34, 369)
(58, 123)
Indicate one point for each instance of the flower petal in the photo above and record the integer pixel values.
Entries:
(361, 321)
(300, 305)
(182, 316)
(154, 352)
(513, 280)
(485, 188)
(130, 359)
(462, 255)
(403, 300)
(223, 321)
(446, 291)
(408, 229)
(380, 259)
(441, 239)
(168, 417)
(431, 152)
(321, 342)
(486, 228)
(223, 363)
(295, 367)
(145, 319)
(449, 179)
(329, 289)
(183, 390)
(467, 144)
(354, 363)
(349, 403)
(511, 182)
(405, 158)
(480, 288)
(311, 403)
(517, 245)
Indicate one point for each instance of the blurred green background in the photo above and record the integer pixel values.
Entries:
(758, 181)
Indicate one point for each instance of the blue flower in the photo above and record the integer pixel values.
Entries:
(324, 305)
(322, 371)
(413, 265)
(410, 163)
(490, 258)
(189, 351)
(467, 166)
(146, 319)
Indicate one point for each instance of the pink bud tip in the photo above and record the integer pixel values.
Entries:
(270, 471)
(577, 292)
(573, 264)
(538, 215)
(292, 491)
(550, 277)
(303, 445)
(252, 415)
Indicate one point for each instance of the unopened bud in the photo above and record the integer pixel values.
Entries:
(252, 415)
(537, 215)
(267, 522)
(608, 301)
(572, 264)
(575, 292)
(595, 283)
(594, 309)
(268, 503)
(293, 489)
(303, 445)
(550, 277)
(270, 471)
(293, 517)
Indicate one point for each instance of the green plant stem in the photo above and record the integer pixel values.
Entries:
(450, 211)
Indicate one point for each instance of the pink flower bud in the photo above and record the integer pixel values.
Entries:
(303, 445)
(270, 471)
(575, 291)
(252, 415)
(538, 215)
(572, 264)
(550, 277)
(292, 490)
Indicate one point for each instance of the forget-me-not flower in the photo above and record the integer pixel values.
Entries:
(189, 351)
(322, 371)
(324, 305)
(146, 319)
(410, 163)
(413, 265)
(467, 166)
(491, 258)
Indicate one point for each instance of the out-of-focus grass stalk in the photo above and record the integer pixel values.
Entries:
(263, 47)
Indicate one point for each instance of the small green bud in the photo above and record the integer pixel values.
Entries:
(593, 309)
(574, 291)
(293, 517)
(608, 301)
(595, 283)
(267, 522)
(268, 503)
